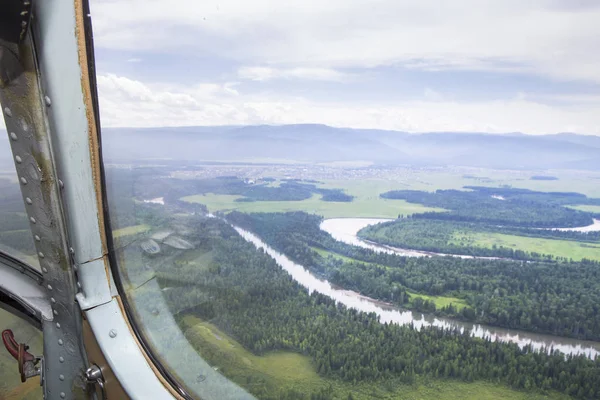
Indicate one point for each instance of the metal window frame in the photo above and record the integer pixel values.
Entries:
(65, 123)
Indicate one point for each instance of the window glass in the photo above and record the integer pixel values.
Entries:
(10, 384)
(357, 200)
(16, 238)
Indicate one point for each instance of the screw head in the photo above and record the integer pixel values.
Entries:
(112, 333)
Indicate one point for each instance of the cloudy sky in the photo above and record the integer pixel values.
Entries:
(413, 65)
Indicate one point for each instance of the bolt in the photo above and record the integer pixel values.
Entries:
(37, 238)
(112, 333)
(23, 181)
(60, 342)
(32, 220)
(52, 299)
(62, 395)
(61, 359)
(61, 377)
(58, 325)
(13, 136)
(18, 159)
(44, 269)
(41, 255)
(8, 112)
(49, 287)
(28, 200)
(61, 184)
(47, 101)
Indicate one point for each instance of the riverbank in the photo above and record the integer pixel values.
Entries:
(391, 314)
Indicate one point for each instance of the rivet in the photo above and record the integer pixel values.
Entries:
(32, 220)
(37, 238)
(58, 325)
(60, 342)
(55, 312)
(18, 159)
(62, 395)
(52, 299)
(112, 333)
(8, 112)
(61, 377)
(49, 287)
(61, 359)
(44, 269)
(48, 101)
(13, 136)
(23, 181)
(41, 255)
(28, 200)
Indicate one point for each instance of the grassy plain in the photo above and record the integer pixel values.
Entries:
(442, 301)
(592, 209)
(367, 205)
(279, 371)
(561, 248)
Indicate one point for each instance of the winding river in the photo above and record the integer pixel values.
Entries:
(344, 229)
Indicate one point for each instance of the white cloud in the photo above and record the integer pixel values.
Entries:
(548, 37)
(127, 102)
(269, 73)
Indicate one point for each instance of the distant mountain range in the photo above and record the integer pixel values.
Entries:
(309, 143)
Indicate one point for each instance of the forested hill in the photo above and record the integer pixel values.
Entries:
(501, 206)
(320, 143)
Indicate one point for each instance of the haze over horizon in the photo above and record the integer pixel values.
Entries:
(463, 66)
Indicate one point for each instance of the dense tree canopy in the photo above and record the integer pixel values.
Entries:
(246, 294)
(500, 206)
(561, 298)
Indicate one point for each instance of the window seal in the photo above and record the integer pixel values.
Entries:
(111, 254)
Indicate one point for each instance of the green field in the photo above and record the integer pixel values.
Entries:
(369, 205)
(441, 301)
(276, 372)
(561, 248)
(592, 209)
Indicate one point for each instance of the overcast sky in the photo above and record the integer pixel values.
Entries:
(419, 65)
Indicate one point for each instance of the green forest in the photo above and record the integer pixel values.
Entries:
(560, 297)
(501, 206)
(245, 294)
(440, 236)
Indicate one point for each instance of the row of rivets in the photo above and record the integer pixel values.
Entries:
(37, 238)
